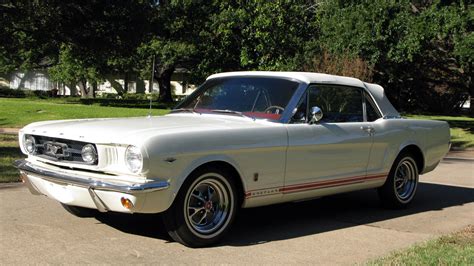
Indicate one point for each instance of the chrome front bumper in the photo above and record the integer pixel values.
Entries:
(28, 169)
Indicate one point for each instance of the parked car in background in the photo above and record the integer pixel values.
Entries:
(241, 140)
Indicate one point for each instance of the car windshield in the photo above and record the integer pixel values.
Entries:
(257, 97)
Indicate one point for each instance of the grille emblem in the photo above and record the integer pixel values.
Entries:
(58, 150)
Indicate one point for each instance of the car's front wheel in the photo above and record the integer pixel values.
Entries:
(402, 182)
(204, 208)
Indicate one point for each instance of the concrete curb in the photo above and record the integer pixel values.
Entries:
(458, 159)
(12, 131)
(11, 185)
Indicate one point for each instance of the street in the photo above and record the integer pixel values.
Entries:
(342, 229)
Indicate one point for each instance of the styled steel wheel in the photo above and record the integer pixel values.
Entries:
(208, 203)
(204, 208)
(402, 181)
(405, 179)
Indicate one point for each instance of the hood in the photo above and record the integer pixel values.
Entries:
(137, 129)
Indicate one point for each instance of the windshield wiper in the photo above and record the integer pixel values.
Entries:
(226, 111)
(191, 110)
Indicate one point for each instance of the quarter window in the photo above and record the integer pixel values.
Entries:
(372, 114)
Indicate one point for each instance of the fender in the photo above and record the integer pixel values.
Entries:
(203, 160)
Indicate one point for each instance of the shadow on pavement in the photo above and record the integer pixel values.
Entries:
(291, 220)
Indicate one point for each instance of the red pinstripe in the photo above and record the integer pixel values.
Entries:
(318, 184)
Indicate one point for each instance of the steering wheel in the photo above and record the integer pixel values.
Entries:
(276, 108)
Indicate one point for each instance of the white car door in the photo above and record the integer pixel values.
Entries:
(332, 152)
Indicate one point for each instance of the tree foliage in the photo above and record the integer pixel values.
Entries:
(421, 51)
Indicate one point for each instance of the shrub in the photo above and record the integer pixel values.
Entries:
(130, 103)
(6, 92)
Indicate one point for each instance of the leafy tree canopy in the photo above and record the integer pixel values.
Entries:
(421, 51)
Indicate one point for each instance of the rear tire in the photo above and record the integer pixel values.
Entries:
(401, 184)
(79, 211)
(204, 209)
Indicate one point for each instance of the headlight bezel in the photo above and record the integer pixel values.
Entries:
(29, 139)
(133, 158)
(92, 152)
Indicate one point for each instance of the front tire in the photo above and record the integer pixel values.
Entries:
(204, 209)
(400, 188)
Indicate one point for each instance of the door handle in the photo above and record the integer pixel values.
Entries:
(368, 129)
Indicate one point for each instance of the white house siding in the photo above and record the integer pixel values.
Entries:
(31, 80)
(39, 80)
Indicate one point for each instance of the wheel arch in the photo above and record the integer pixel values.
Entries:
(414, 150)
(217, 162)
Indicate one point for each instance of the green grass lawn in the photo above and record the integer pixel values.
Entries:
(462, 128)
(9, 152)
(20, 112)
(455, 249)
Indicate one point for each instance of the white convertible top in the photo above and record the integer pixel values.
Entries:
(307, 77)
(375, 90)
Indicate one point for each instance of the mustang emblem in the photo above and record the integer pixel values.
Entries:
(55, 149)
(52, 148)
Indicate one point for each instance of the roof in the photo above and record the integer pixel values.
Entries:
(307, 77)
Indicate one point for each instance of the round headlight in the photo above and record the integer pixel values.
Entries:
(29, 144)
(133, 159)
(88, 153)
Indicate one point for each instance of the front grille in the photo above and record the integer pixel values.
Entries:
(57, 149)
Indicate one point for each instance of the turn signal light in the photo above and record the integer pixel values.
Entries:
(128, 204)
(23, 178)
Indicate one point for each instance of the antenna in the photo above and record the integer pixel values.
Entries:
(149, 110)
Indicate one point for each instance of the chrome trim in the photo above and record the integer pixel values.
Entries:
(99, 204)
(24, 179)
(65, 179)
(372, 99)
(392, 117)
(293, 103)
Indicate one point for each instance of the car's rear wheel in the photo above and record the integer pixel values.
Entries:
(79, 211)
(402, 182)
(204, 208)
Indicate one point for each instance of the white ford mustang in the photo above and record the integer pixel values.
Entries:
(243, 139)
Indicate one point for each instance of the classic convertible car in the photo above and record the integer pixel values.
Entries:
(241, 140)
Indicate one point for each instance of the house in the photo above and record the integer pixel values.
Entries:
(39, 80)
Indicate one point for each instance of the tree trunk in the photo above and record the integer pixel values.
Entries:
(117, 87)
(471, 107)
(125, 83)
(93, 89)
(82, 86)
(164, 81)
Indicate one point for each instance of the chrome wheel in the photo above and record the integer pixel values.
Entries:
(405, 179)
(207, 205)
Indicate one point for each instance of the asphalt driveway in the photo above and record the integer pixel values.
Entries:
(342, 229)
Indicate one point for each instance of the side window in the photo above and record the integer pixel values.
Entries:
(372, 114)
(338, 103)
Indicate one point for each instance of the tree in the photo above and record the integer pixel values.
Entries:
(418, 51)
(27, 35)
(101, 36)
(172, 41)
(70, 69)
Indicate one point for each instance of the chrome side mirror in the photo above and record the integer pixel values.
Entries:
(316, 114)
